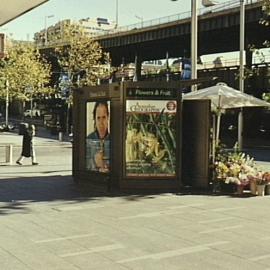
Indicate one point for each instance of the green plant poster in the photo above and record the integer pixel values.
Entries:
(150, 143)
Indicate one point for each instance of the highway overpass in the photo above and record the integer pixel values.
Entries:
(218, 32)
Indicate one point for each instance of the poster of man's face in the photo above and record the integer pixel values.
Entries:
(97, 117)
(98, 136)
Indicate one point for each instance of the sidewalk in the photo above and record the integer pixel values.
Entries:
(41, 130)
(50, 223)
(43, 137)
(52, 155)
(261, 157)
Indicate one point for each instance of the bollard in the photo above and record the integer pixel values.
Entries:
(60, 136)
(9, 156)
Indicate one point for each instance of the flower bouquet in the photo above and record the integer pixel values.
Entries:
(258, 181)
(266, 177)
(235, 168)
(261, 178)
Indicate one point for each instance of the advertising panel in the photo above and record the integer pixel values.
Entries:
(150, 143)
(98, 136)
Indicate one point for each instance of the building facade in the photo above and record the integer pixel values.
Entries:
(54, 33)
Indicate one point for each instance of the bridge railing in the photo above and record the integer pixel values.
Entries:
(176, 17)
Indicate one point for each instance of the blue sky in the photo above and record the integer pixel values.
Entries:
(25, 26)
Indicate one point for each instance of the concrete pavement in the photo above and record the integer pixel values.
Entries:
(48, 222)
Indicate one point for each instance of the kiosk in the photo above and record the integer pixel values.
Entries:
(129, 135)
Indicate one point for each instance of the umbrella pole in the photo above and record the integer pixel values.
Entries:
(240, 129)
(214, 139)
(218, 119)
(218, 127)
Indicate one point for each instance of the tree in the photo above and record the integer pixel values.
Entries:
(265, 20)
(81, 57)
(266, 11)
(26, 72)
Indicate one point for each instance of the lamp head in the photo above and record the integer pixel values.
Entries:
(208, 3)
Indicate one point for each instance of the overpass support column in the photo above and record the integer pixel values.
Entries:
(249, 55)
(138, 68)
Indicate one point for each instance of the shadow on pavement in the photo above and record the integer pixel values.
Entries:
(18, 194)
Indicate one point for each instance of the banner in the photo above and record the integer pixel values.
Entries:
(150, 143)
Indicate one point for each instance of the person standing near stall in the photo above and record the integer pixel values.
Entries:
(27, 146)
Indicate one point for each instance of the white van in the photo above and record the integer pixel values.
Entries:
(35, 112)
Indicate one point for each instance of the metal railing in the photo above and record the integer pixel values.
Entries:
(176, 17)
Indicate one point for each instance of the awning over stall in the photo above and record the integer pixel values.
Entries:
(11, 9)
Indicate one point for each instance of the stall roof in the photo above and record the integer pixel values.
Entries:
(11, 9)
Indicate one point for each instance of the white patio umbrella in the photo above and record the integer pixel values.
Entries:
(224, 97)
(11, 9)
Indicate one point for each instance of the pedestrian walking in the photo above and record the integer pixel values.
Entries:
(27, 146)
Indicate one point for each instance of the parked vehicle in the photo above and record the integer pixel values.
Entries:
(4, 127)
(35, 112)
(70, 137)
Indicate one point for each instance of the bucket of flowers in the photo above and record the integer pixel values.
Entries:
(267, 187)
(235, 168)
(262, 179)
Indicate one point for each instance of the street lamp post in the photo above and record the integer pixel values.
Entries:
(29, 90)
(45, 27)
(241, 70)
(194, 36)
(116, 13)
(141, 19)
(194, 42)
(7, 101)
(31, 103)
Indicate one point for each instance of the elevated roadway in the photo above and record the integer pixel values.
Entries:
(218, 32)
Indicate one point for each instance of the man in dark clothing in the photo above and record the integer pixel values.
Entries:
(27, 147)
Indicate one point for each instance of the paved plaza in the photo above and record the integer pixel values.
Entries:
(48, 222)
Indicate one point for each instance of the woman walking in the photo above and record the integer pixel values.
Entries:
(27, 147)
